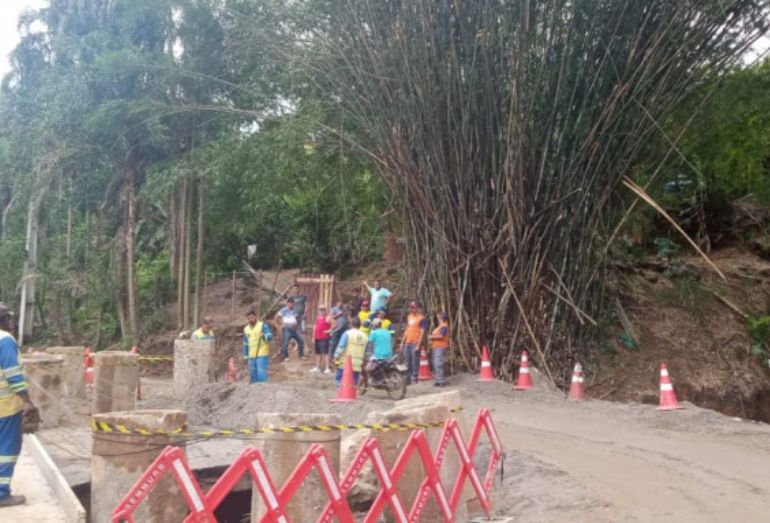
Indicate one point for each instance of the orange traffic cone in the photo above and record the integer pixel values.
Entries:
(667, 396)
(88, 375)
(577, 390)
(135, 350)
(524, 381)
(486, 366)
(232, 374)
(347, 390)
(424, 373)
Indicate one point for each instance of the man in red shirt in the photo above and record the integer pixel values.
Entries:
(321, 336)
(416, 325)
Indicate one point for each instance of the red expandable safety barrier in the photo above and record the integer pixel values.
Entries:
(171, 460)
(250, 461)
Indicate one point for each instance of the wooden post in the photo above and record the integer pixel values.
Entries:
(205, 292)
(259, 295)
(232, 300)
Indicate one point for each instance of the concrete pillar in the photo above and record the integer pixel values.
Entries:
(74, 369)
(435, 408)
(193, 365)
(117, 376)
(282, 452)
(44, 378)
(393, 442)
(119, 460)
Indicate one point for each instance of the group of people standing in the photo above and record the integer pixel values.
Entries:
(360, 330)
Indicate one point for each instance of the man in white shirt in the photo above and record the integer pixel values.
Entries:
(288, 320)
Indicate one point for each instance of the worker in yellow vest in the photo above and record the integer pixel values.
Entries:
(16, 409)
(205, 333)
(364, 317)
(256, 347)
(353, 343)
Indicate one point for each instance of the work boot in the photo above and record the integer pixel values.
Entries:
(12, 501)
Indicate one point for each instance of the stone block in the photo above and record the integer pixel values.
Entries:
(74, 384)
(193, 365)
(119, 460)
(282, 453)
(43, 374)
(116, 379)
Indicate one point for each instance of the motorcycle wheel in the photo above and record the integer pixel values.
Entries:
(395, 385)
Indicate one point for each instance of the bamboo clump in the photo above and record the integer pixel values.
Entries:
(504, 130)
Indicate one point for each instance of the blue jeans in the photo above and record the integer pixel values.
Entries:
(335, 340)
(258, 369)
(10, 448)
(287, 335)
(338, 377)
(412, 358)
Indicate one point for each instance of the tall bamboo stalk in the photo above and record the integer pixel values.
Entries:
(503, 131)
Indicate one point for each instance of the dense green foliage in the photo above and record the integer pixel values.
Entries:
(147, 143)
(728, 148)
(127, 125)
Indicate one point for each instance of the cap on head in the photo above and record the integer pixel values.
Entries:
(208, 321)
(365, 303)
(381, 310)
(413, 304)
(321, 307)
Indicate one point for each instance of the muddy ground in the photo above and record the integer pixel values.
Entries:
(678, 318)
(595, 461)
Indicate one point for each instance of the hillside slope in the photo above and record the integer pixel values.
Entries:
(685, 315)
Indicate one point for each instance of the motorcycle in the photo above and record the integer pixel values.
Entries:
(388, 375)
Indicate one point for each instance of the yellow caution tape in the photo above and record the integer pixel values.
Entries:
(146, 359)
(155, 359)
(108, 428)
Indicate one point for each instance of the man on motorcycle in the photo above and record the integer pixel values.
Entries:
(381, 343)
(381, 340)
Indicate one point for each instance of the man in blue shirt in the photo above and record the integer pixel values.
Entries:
(339, 323)
(380, 295)
(16, 409)
(381, 340)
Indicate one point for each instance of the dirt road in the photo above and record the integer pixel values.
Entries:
(601, 461)
(594, 461)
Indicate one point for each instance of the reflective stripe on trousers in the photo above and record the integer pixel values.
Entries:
(10, 448)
